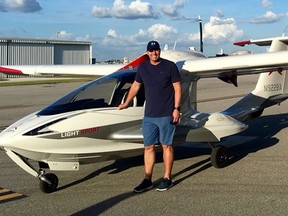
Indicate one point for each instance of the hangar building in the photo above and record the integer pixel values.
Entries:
(28, 51)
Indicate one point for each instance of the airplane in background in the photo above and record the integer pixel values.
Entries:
(36, 70)
(85, 125)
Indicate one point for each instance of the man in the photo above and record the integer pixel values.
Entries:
(162, 84)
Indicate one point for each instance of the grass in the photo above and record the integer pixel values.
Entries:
(54, 80)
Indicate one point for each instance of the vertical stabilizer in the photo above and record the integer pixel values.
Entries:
(271, 88)
(274, 83)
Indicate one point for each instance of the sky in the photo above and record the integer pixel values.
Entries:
(122, 28)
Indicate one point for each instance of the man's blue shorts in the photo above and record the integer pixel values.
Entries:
(158, 130)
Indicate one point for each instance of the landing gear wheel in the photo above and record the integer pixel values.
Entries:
(220, 157)
(45, 186)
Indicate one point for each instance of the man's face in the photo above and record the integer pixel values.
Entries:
(154, 55)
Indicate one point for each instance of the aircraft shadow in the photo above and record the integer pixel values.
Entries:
(123, 164)
(261, 129)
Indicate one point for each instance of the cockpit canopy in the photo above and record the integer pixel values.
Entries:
(108, 91)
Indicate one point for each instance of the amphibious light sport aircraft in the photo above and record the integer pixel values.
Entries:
(85, 126)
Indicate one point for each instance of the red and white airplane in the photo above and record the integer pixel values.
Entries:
(85, 125)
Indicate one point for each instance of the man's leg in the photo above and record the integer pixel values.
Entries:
(168, 158)
(149, 160)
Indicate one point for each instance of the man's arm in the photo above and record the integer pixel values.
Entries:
(131, 94)
(177, 101)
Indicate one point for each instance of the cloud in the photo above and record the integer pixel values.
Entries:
(266, 3)
(135, 10)
(84, 38)
(217, 31)
(172, 10)
(64, 35)
(215, 20)
(134, 44)
(101, 12)
(219, 14)
(24, 6)
(268, 17)
(112, 33)
(161, 31)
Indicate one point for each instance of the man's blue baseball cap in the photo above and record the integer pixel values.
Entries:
(153, 45)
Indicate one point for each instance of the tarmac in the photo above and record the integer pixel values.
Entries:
(255, 183)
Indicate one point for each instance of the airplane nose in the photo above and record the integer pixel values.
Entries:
(3, 141)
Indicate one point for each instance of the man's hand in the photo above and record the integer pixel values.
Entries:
(176, 116)
(122, 106)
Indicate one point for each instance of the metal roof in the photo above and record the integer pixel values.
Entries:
(45, 41)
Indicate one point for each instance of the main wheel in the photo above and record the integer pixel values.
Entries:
(45, 186)
(220, 157)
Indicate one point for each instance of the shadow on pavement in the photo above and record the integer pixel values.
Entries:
(261, 129)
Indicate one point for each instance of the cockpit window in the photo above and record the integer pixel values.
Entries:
(107, 91)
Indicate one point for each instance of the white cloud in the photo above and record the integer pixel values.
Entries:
(266, 3)
(217, 31)
(64, 35)
(112, 33)
(268, 17)
(101, 12)
(161, 31)
(219, 13)
(135, 10)
(215, 20)
(84, 38)
(135, 44)
(25, 6)
(173, 9)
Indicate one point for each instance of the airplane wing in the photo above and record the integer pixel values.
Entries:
(262, 42)
(241, 65)
(96, 69)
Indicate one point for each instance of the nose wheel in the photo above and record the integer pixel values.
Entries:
(48, 182)
(220, 156)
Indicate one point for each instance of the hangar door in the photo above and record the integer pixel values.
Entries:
(71, 54)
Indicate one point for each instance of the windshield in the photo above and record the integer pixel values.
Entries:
(107, 91)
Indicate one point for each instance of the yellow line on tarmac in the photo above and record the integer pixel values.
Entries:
(7, 195)
(2, 190)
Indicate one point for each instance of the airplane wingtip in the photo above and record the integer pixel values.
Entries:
(242, 43)
(10, 71)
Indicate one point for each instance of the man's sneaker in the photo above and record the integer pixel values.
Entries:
(164, 185)
(146, 184)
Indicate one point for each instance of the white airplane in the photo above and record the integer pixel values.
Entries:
(85, 125)
(35, 70)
